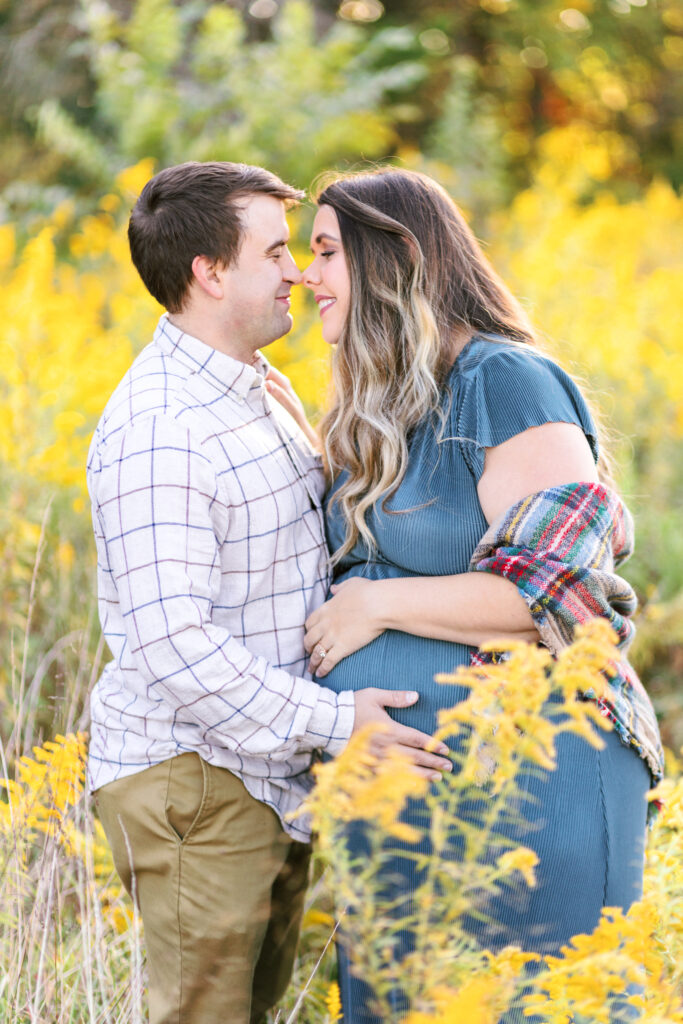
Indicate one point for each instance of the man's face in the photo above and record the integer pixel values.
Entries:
(255, 307)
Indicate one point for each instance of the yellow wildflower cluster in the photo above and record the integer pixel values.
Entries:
(68, 933)
(602, 279)
(333, 1004)
(663, 888)
(599, 279)
(360, 785)
(65, 344)
(643, 948)
(619, 961)
(506, 703)
(47, 786)
(76, 313)
(44, 801)
(503, 725)
(520, 859)
(482, 998)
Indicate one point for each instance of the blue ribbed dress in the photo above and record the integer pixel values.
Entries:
(588, 816)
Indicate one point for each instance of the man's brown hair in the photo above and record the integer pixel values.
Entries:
(193, 210)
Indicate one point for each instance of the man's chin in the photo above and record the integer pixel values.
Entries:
(283, 327)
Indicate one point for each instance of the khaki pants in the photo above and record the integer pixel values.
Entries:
(220, 888)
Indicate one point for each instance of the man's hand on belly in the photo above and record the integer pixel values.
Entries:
(418, 746)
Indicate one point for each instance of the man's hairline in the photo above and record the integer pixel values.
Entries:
(238, 202)
(241, 199)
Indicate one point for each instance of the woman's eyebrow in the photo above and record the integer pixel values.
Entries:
(321, 237)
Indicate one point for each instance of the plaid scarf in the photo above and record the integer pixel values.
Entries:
(560, 547)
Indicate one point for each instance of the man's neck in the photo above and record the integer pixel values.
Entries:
(206, 329)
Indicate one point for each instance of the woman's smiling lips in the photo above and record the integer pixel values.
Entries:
(324, 302)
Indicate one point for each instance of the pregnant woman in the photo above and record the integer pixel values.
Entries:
(449, 424)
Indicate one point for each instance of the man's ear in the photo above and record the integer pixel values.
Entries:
(206, 274)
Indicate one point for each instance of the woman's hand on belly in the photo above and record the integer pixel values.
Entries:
(344, 624)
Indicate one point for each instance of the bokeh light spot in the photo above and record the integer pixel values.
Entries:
(574, 20)
(533, 57)
(361, 10)
(263, 9)
(434, 40)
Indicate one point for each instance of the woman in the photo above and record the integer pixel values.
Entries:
(445, 417)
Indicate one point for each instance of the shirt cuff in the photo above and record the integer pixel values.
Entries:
(331, 722)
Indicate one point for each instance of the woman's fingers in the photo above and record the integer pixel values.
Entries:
(325, 666)
(313, 634)
(283, 396)
(278, 377)
(322, 659)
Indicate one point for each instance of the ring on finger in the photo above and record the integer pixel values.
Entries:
(320, 652)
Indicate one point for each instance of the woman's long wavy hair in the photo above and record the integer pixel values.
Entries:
(419, 282)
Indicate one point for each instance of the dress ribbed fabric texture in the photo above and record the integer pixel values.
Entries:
(587, 819)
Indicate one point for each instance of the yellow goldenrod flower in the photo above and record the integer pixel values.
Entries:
(520, 859)
(358, 785)
(333, 1003)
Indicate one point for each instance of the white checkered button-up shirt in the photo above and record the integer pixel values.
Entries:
(210, 541)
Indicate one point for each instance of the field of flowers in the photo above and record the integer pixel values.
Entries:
(601, 280)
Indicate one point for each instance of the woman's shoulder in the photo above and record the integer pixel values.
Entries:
(494, 356)
(493, 369)
(502, 387)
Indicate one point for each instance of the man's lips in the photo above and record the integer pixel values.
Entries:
(287, 299)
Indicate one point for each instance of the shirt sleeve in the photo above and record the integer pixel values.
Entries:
(511, 388)
(163, 518)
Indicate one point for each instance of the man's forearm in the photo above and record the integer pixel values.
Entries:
(240, 700)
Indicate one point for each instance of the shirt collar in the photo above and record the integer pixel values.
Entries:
(226, 373)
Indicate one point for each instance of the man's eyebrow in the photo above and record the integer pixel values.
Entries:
(277, 245)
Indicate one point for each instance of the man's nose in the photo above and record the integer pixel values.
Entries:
(292, 272)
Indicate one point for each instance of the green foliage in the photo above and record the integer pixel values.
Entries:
(181, 83)
(510, 70)
(466, 139)
(95, 85)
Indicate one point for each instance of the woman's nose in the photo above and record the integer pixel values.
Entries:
(311, 275)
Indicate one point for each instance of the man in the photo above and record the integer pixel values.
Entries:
(206, 509)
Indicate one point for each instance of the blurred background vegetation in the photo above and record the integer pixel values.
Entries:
(557, 128)
(92, 86)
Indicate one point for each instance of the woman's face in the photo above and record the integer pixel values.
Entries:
(328, 275)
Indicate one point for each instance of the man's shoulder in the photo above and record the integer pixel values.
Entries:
(154, 387)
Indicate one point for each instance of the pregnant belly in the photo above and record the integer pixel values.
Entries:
(401, 661)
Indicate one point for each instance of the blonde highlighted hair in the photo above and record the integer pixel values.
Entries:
(419, 281)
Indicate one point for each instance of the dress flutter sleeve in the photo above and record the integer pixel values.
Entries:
(503, 389)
